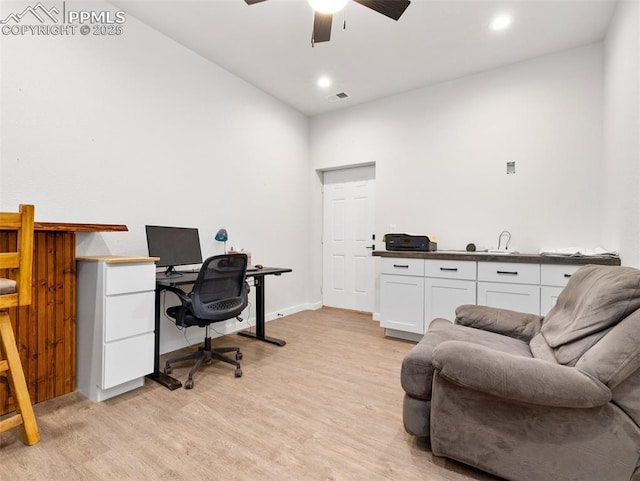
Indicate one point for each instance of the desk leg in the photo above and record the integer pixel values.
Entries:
(160, 377)
(258, 282)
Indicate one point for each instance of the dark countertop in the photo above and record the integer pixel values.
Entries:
(490, 257)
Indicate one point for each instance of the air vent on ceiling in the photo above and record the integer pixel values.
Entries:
(338, 96)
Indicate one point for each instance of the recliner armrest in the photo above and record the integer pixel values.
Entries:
(514, 324)
(517, 378)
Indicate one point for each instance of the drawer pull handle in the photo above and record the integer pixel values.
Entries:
(567, 275)
(511, 273)
(401, 266)
(449, 269)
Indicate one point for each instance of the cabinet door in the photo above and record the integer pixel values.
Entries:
(548, 298)
(517, 297)
(443, 296)
(401, 303)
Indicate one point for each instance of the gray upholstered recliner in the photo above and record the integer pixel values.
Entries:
(536, 399)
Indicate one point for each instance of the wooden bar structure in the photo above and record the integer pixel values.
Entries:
(45, 331)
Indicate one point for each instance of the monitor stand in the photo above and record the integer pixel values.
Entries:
(172, 272)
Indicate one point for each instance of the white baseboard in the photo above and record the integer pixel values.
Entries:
(376, 316)
(194, 335)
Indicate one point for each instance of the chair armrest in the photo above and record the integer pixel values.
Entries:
(517, 378)
(183, 296)
(501, 321)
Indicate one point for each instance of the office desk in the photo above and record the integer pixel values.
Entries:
(187, 278)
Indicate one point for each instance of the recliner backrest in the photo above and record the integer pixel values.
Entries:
(595, 300)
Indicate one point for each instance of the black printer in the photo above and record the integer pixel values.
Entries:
(409, 242)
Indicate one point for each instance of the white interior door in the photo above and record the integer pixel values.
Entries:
(348, 268)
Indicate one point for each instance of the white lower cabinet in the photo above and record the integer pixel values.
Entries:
(415, 291)
(401, 295)
(115, 324)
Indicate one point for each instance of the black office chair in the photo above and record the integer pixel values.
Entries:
(219, 293)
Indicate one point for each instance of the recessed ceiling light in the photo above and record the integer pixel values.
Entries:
(324, 82)
(501, 22)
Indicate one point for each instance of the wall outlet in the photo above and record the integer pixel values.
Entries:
(393, 228)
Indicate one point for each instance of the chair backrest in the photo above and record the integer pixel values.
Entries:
(220, 292)
(16, 266)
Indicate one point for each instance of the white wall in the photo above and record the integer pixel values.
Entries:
(621, 170)
(138, 130)
(441, 154)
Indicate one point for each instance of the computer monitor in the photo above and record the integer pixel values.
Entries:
(175, 246)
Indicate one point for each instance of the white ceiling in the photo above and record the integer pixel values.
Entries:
(269, 44)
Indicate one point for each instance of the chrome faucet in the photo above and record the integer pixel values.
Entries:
(504, 233)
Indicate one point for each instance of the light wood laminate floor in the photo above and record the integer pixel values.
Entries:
(326, 407)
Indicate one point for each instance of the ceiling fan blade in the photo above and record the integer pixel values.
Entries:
(391, 8)
(322, 27)
(251, 2)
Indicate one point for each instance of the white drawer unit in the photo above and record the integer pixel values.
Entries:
(128, 278)
(509, 272)
(451, 269)
(115, 324)
(402, 267)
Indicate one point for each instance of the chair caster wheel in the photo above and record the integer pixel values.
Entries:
(238, 356)
(188, 384)
(168, 370)
(238, 372)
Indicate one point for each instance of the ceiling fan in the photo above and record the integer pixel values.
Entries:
(324, 10)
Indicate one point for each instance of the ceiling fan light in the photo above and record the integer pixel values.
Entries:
(327, 6)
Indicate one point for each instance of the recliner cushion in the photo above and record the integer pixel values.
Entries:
(595, 299)
(417, 370)
(617, 355)
(7, 286)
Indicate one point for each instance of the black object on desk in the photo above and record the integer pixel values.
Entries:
(186, 278)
